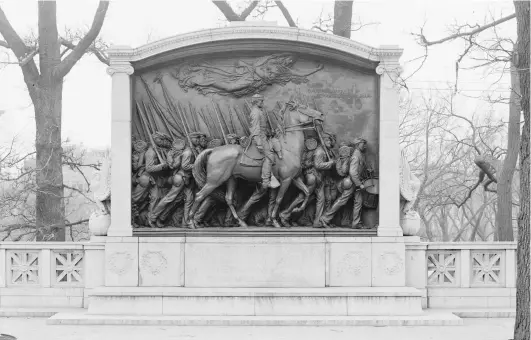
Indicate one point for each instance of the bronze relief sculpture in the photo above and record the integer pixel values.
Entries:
(274, 147)
(243, 78)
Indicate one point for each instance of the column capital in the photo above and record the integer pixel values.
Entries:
(392, 69)
(123, 67)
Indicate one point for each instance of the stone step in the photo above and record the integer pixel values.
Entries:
(334, 301)
(37, 312)
(427, 318)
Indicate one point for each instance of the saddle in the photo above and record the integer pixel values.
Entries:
(252, 157)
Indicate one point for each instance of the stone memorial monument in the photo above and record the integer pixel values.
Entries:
(256, 179)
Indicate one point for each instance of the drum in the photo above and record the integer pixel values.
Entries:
(370, 194)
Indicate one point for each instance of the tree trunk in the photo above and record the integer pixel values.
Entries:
(50, 213)
(342, 18)
(523, 284)
(504, 215)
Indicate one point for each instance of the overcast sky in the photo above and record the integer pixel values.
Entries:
(87, 89)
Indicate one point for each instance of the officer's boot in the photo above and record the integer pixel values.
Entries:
(266, 173)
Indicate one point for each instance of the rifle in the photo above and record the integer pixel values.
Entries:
(164, 122)
(186, 129)
(219, 120)
(142, 118)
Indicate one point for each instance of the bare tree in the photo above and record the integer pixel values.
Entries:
(18, 191)
(520, 62)
(45, 87)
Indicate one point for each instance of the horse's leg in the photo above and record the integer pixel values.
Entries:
(299, 183)
(255, 197)
(231, 188)
(199, 198)
(286, 214)
(284, 185)
(272, 197)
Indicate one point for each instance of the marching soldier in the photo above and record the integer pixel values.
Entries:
(199, 143)
(157, 169)
(322, 172)
(352, 170)
(357, 172)
(163, 209)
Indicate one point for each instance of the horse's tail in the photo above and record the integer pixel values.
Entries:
(199, 171)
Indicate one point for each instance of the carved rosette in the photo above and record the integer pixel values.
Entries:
(154, 262)
(353, 263)
(391, 262)
(120, 262)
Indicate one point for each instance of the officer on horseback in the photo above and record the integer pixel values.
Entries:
(259, 133)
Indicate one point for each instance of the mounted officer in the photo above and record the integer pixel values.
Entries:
(259, 133)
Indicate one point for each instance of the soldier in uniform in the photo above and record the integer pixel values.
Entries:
(316, 167)
(163, 209)
(259, 133)
(353, 171)
(357, 172)
(322, 172)
(157, 169)
(199, 143)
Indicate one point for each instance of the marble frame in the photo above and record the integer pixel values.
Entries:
(124, 61)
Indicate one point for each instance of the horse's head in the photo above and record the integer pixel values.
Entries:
(303, 114)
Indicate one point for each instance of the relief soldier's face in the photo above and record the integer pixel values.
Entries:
(203, 142)
(328, 142)
(362, 147)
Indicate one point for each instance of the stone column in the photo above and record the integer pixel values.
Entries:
(121, 72)
(389, 163)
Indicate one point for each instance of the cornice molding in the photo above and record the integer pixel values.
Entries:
(389, 54)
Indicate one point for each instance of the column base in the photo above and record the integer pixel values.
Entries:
(390, 231)
(120, 231)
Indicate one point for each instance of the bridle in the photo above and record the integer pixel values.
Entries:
(300, 126)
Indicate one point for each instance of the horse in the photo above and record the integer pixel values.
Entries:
(223, 164)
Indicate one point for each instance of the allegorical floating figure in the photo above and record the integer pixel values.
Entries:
(241, 79)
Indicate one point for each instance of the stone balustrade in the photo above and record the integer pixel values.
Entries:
(464, 274)
(450, 275)
(49, 274)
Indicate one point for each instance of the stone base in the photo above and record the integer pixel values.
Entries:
(363, 301)
(425, 319)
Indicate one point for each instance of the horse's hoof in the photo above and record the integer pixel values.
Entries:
(285, 223)
(276, 224)
(243, 225)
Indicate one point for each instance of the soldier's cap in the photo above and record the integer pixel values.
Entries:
(196, 134)
(358, 140)
(232, 136)
(257, 96)
(161, 135)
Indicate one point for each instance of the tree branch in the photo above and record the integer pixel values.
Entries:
(477, 30)
(19, 48)
(66, 65)
(227, 10)
(248, 10)
(92, 49)
(286, 14)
